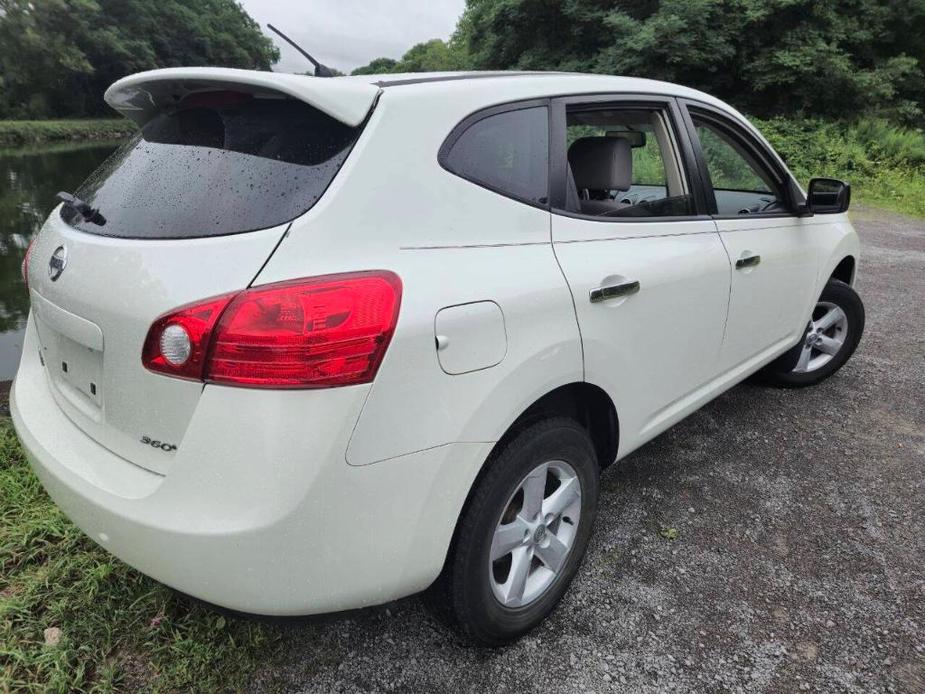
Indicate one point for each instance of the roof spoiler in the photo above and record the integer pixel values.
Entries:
(143, 95)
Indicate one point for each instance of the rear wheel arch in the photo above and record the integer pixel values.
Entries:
(587, 404)
(584, 402)
(581, 401)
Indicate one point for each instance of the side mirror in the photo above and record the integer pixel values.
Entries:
(828, 196)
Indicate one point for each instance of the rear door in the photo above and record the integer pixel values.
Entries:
(190, 208)
(648, 273)
(773, 259)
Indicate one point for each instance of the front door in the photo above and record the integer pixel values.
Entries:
(772, 258)
(648, 274)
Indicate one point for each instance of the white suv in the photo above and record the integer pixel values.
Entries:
(305, 345)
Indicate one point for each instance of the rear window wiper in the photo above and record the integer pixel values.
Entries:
(90, 214)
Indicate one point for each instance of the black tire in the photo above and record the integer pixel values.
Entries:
(781, 372)
(464, 589)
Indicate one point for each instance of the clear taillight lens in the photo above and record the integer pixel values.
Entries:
(197, 321)
(310, 333)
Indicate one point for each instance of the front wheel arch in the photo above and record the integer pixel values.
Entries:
(783, 372)
(845, 270)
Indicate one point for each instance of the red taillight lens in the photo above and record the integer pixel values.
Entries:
(327, 331)
(312, 333)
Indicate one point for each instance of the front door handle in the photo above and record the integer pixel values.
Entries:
(613, 291)
(748, 261)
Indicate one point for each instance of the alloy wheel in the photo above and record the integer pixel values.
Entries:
(825, 337)
(535, 534)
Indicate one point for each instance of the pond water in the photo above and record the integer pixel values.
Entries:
(29, 179)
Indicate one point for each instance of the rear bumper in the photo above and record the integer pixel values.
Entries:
(260, 511)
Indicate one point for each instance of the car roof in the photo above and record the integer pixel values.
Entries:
(471, 91)
(542, 83)
(467, 92)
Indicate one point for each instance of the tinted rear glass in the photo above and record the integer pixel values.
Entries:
(233, 165)
(508, 152)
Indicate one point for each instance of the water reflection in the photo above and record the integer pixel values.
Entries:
(29, 179)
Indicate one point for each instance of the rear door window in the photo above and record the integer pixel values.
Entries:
(507, 152)
(623, 162)
(221, 163)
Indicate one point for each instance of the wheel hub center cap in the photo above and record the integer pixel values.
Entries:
(539, 534)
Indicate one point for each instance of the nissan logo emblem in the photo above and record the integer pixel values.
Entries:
(57, 263)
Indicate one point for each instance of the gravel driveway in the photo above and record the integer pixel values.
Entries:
(799, 562)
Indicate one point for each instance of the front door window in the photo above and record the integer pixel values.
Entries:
(740, 184)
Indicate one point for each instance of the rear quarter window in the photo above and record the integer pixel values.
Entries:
(224, 163)
(507, 152)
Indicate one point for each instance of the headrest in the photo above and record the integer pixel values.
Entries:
(602, 163)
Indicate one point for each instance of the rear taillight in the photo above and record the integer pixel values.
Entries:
(311, 333)
(25, 263)
(197, 321)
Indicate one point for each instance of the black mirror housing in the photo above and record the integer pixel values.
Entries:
(828, 196)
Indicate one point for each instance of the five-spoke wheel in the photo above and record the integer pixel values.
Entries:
(831, 337)
(535, 533)
(523, 532)
(825, 337)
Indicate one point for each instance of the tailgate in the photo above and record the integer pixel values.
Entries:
(190, 208)
(92, 322)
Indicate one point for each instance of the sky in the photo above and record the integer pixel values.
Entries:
(346, 34)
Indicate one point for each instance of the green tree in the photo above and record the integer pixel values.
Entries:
(58, 56)
(378, 66)
(429, 56)
(827, 57)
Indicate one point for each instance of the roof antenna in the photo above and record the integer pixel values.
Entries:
(320, 70)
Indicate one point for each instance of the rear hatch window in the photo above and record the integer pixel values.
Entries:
(219, 163)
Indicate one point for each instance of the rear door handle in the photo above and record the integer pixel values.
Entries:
(748, 261)
(613, 291)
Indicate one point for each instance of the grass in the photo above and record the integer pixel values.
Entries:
(884, 164)
(118, 629)
(16, 133)
(65, 147)
(900, 191)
